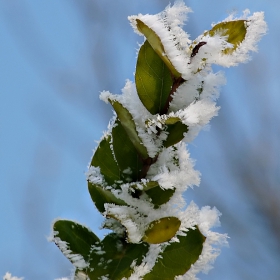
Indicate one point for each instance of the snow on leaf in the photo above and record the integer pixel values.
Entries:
(167, 25)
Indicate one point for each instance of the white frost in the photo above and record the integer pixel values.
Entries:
(76, 259)
(8, 276)
(147, 263)
(168, 26)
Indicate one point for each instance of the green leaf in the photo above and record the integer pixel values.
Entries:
(126, 154)
(172, 120)
(176, 130)
(159, 196)
(149, 185)
(162, 230)
(101, 196)
(104, 159)
(153, 79)
(78, 238)
(234, 30)
(137, 190)
(129, 126)
(156, 44)
(178, 257)
(113, 258)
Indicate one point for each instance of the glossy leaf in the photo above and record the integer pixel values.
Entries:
(156, 44)
(145, 186)
(126, 154)
(113, 258)
(153, 79)
(149, 185)
(162, 230)
(156, 194)
(104, 158)
(176, 130)
(78, 238)
(172, 120)
(159, 196)
(129, 126)
(101, 196)
(178, 257)
(137, 190)
(234, 30)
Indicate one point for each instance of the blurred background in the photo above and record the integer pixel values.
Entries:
(55, 58)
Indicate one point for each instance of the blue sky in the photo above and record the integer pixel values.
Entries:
(55, 58)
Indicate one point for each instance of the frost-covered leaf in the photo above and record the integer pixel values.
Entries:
(126, 154)
(156, 44)
(129, 126)
(159, 196)
(178, 257)
(104, 159)
(162, 230)
(155, 193)
(100, 196)
(234, 31)
(230, 42)
(75, 241)
(113, 258)
(153, 79)
(176, 130)
(149, 185)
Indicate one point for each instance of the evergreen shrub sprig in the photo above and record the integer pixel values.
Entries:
(141, 167)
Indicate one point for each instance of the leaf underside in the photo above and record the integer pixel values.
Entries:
(162, 230)
(235, 31)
